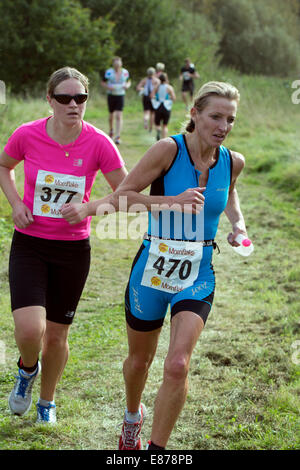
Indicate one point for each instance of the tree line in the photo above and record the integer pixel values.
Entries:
(39, 36)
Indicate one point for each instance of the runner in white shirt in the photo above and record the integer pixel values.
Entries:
(116, 81)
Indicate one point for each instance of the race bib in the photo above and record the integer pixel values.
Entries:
(172, 265)
(52, 190)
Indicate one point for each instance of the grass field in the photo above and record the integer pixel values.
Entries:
(244, 377)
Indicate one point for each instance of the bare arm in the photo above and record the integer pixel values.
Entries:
(154, 163)
(141, 85)
(106, 85)
(129, 193)
(74, 213)
(172, 92)
(233, 210)
(155, 88)
(21, 214)
(127, 85)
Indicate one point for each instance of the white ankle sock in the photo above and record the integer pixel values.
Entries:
(132, 417)
(45, 402)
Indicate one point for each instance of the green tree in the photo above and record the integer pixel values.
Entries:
(146, 32)
(39, 36)
(201, 40)
(258, 37)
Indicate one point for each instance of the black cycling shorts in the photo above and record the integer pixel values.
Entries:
(115, 103)
(147, 104)
(188, 86)
(161, 115)
(48, 273)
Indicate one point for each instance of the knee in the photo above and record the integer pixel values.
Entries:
(139, 364)
(176, 368)
(55, 340)
(29, 334)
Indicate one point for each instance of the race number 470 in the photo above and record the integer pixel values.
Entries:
(184, 270)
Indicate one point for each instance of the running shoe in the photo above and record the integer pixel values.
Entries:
(130, 436)
(117, 140)
(20, 398)
(46, 414)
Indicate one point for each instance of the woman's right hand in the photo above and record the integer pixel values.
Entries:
(191, 200)
(21, 215)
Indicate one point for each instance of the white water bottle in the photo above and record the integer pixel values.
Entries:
(245, 247)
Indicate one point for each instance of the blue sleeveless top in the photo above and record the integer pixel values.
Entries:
(182, 175)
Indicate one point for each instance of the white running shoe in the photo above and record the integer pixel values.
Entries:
(46, 414)
(20, 398)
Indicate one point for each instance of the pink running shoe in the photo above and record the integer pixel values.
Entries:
(130, 435)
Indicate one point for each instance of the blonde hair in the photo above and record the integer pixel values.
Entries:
(160, 66)
(221, 89)
(64, 74)
(150, 71)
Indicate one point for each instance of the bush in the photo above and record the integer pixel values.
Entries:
(39, 36)
(255, 39)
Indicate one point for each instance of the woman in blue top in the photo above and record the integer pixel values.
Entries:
(162, 96)
(194, 176)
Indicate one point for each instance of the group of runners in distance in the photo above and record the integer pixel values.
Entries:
(157, 95)
(192, 179)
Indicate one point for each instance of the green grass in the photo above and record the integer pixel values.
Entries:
(244, 377)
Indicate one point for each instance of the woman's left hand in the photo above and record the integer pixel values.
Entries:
(74, 213)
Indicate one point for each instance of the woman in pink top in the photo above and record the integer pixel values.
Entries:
(49, 258)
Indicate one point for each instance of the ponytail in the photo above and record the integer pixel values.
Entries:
(190, 127)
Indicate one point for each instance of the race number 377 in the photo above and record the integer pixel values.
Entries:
(52, 190)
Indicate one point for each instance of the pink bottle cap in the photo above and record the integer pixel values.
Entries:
(246, 242)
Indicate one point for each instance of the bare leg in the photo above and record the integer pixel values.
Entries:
(146, 119)
(142, 348)
(164, 133)
(30, 325)
(158, 132)
(54, 357)
(152, 115)
(185, 330)
(111, 124)
(184, 98)
(119, 123)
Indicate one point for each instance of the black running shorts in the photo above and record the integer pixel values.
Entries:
(49, 273)
(161, 115)
(147, 104)
(115, 103)
(188, 86)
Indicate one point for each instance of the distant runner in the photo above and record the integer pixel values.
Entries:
(116, 81)
(162, 100)
(187, 75)
(145, 87)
